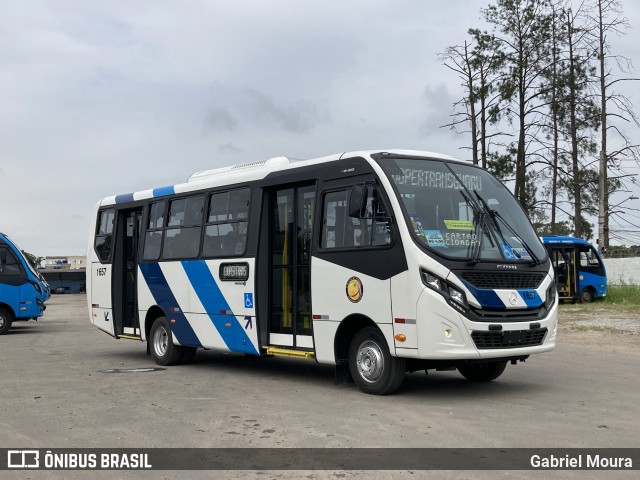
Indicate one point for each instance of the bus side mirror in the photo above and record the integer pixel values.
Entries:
(356, 201)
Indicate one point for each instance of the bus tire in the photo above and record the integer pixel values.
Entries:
(162, 348)
(587, 295)
(372, 367)
(483, 372)
(6, 319)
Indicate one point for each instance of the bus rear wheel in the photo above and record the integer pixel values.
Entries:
(162, 348)
(372, 367)
(483, 372)
(5, 321)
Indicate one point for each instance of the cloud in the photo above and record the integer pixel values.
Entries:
(298, 116)
(438, 102)
(228, 148)
(218, 118)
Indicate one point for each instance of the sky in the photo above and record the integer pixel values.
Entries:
(106, 97)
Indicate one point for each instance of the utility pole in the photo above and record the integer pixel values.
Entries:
(603, 204)
(603, 184)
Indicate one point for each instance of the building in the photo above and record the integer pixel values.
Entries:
(65, 274)
(72, 262)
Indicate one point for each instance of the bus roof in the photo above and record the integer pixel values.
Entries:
(552, 239)
(251, 171)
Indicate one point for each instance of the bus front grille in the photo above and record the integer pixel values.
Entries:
(503, 280)
(509, 338)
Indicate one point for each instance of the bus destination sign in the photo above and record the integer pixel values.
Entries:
(234, 272)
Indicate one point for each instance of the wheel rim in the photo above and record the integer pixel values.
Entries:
(2, 321)
(160, 341)
(370, 361)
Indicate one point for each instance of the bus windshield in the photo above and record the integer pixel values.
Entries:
(462, 212)
(24, 259)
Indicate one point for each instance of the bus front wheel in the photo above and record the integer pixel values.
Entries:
(162, 348)
(483, 372)
(5, 321)
(587, 295)
(372, 367)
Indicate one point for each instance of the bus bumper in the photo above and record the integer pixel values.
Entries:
(444, 334)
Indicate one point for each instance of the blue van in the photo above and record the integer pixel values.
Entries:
(580, 272)
(23, 290)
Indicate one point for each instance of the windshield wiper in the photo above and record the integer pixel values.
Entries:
(478, 230)
(479, 212)
(495, 214)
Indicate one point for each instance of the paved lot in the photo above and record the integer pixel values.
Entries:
(584, 394)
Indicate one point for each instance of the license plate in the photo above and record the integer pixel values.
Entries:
(514, 337)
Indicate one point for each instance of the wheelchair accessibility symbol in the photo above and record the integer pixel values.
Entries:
(248, 300)
(508, 253)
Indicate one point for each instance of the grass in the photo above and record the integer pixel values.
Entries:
(623, 296)
(620, 300)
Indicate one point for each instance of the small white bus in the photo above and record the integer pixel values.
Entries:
(377, 262)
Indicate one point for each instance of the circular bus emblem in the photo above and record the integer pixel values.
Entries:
(354, 289)
(513, 298)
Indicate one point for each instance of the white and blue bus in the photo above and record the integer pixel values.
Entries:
(23, 291)
(580, 271)
(377, 262)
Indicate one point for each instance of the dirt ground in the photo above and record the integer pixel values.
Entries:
(602, 324)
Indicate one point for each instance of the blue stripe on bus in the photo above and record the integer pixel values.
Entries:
(165, 299)
(162, 191)
(125, 197)
(487, 298)
(531, 298)
(205, 286)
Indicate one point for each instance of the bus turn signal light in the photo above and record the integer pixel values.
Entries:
(400, 337)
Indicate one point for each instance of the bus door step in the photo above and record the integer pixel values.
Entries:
(285, 352)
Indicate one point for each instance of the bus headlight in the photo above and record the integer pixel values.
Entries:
(454, 297)
(551, 295)
(431, 280)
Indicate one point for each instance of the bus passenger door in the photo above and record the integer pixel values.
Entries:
(290, 224)
(564, 264)
(101, 275)
(125, 269)
(11, 279)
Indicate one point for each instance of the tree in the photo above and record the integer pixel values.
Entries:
(476, 62)
(33, 260)
(522, 33)
(608, 19)
(581, 113)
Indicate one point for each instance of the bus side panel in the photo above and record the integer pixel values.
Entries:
(29, 307)
(598, 282)
(405, 288)
(10, 295)
(203, 311)
(101, 306)
(331, 303)
(227, 308)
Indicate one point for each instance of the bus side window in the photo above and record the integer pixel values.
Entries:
(153, 237)
(588, 258)
(226, 230)
(377, 218)
(104, 235)
(343, 231)
(9, 264)
(182, 235)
